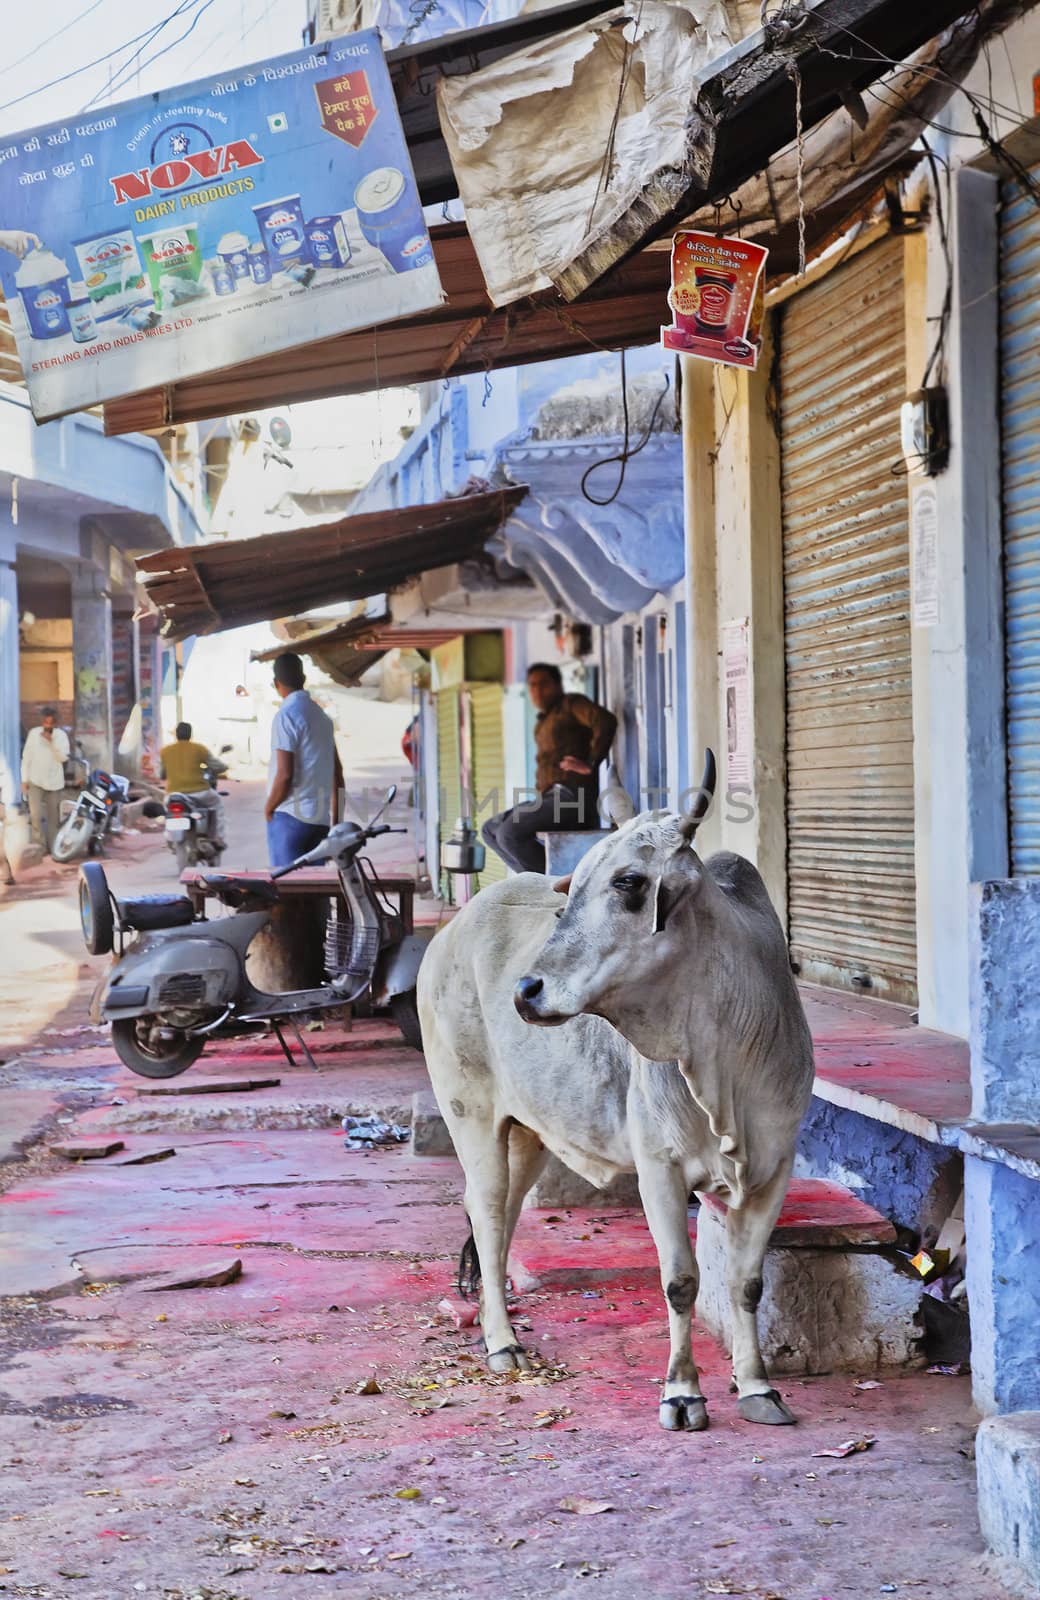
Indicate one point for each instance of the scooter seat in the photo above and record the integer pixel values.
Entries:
(147, 913)
(233, 890)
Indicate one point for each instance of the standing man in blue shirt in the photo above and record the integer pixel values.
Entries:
(306, 778)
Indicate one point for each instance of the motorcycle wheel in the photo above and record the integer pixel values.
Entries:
(405, 1011)
(184, 856)
(71, 838)
(175, 1057)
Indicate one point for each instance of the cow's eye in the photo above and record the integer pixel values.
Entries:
(630, 883)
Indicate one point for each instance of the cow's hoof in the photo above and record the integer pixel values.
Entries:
(684, 1413)
(512, 1359)
(767, 1408)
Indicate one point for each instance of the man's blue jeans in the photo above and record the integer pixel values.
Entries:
(288, 838)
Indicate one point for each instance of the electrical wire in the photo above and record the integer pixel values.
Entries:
(938, 355)
(58, 33)
(77, 72)
(126, 72)
(602, 183)
(624, 455)
(133, 65)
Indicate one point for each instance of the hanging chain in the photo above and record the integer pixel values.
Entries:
(796, 75)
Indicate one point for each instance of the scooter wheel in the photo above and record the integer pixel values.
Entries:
(405, 1011)
(167, 1061)
(95, 909)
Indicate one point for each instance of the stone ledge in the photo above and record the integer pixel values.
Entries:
(430, 1136)
(835, 1297)
(1007, 1461)
(817, 1214)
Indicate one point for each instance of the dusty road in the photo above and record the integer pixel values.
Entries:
(318, 1427)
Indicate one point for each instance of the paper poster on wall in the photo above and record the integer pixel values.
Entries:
(736, 667)
(208, 224)
(716, 298)
(924, 559)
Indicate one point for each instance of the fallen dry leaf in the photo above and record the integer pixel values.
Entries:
(407, 1494)
(398, 1555)
(582, 1507)
(368, 1386)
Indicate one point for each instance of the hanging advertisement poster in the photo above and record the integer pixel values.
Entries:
(717, 299)
(199, 227)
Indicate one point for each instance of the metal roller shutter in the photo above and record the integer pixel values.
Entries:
(850, 808)
(489, 766)
(1020, 422)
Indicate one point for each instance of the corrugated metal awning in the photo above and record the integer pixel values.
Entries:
(465, 334)
(206, 588)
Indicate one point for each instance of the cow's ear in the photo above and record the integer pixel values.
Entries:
(670, 889)
(563, 885)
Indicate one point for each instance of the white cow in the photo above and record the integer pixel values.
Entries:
(670, 1040)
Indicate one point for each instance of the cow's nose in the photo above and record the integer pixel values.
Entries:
(529, 988)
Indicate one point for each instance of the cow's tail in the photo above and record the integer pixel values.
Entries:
(468, 1280)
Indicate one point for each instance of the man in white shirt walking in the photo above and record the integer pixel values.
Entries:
(306, 777)
(43, 775)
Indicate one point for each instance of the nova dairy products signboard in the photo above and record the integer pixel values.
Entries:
(197, 228)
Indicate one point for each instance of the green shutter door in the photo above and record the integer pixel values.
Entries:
(489, 767)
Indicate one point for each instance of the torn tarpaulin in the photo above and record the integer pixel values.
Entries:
(575, 152)
(558, 139)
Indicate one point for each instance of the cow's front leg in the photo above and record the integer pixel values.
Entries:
(664, 1194)
(484, 1153)
(748, 1230)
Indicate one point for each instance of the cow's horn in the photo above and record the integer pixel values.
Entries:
(563, 885)
(703, 798)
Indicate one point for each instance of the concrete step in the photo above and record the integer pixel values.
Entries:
(381, 1083)
(836, 1295)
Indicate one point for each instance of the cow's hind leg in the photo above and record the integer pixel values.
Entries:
(663, 1189)
(483, 1150)
(748, 1229)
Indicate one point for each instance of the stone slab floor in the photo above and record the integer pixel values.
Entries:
(213, 1441)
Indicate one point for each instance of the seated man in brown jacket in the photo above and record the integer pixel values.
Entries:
(572, 736)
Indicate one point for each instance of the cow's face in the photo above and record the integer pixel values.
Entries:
(619, 937)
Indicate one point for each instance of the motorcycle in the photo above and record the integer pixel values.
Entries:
(94, 815)
(188, 825)
(180, 980)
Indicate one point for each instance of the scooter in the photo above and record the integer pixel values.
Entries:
(180, 979)
(187, 828)
(94, 815)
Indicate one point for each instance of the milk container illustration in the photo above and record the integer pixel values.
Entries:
(391, 218)
(283, 232)
(327, 239)
(233, 250)
(223, 278)
(259, 264)
(81, 314)
(42, 282)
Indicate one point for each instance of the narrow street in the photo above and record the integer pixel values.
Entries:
(320, 1426)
